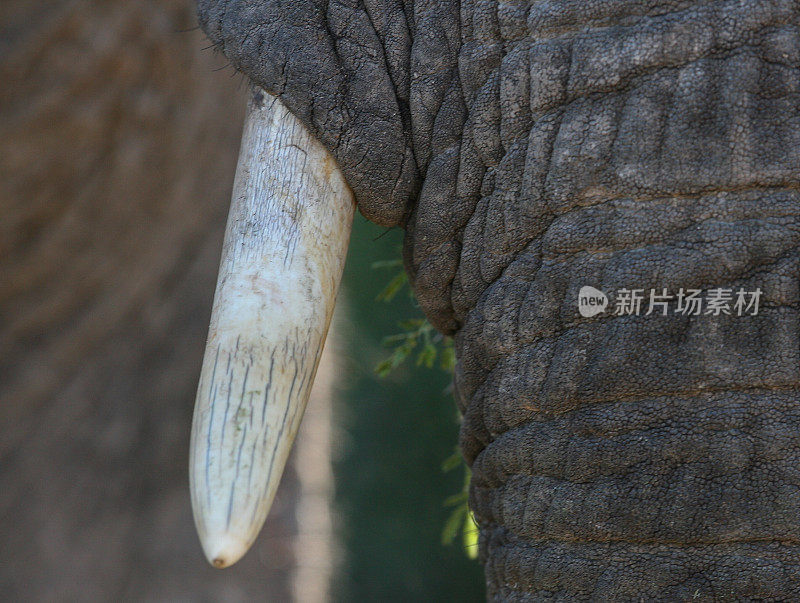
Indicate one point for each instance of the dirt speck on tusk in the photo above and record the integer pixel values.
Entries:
(285, 245)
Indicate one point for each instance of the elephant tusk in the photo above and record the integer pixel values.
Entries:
(285, 246)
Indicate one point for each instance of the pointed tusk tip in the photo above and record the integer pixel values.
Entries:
(224, 550)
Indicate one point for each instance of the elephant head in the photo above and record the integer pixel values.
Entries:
(531, 150)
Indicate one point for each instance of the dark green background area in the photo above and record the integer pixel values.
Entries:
(394, 434)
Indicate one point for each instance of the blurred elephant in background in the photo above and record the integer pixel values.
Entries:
(534, 148)
(118, 140)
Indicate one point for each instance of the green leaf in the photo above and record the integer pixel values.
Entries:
(452, 462)
(396, 338)
(453, 525)
(394, 286)
(412, 324)
(397, 357)
(387, 264)
(470, 536)
(427, 356)
(448, 358)
(383, 368)
(455, 499)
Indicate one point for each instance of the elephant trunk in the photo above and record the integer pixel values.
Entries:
(284, 251)
(649, 457)
(652, 454)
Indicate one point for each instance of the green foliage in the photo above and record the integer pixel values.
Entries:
(396, 284)
(418, 337)
(461, 519)
(393, 435)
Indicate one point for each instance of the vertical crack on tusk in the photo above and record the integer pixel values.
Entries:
(282, 259)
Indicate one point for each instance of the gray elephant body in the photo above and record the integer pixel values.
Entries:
(530, 149)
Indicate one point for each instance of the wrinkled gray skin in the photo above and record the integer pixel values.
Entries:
(532, 148)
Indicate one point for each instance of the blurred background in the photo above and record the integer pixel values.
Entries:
(119, 130)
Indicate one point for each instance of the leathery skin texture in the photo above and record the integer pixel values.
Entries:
(531, 148)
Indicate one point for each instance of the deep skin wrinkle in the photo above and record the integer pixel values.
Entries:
(530, 149)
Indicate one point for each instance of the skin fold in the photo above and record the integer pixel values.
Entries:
(531, 148)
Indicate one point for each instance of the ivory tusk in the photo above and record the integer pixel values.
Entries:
(285, 246)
